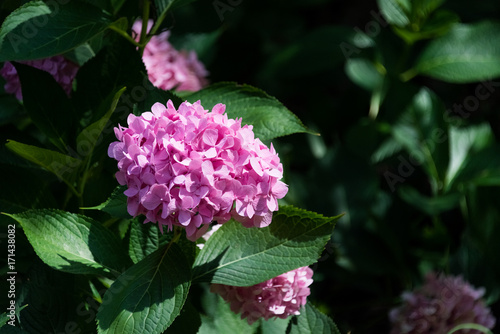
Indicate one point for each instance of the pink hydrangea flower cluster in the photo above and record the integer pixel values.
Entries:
(168, 68)
(438, 306)
(189, 167)
(278, 297)
(63, 70)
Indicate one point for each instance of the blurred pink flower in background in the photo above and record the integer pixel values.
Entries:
(442, 303)
(169, 68)
(63, 71)
(278, 297)
(189, 167)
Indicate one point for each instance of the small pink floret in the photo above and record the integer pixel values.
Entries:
(279, 297)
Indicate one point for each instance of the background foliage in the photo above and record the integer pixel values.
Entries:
(405, 95)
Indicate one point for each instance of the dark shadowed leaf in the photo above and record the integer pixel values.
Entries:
(148, 296)
(40, 30)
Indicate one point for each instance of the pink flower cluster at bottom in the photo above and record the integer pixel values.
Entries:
(278, 297)
(441, 304)
(189, 167)
(63, 71)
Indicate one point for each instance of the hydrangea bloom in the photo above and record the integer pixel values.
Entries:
(441, 304)
(168, 68)
(63, 70)
(187, 167)
(278, 297)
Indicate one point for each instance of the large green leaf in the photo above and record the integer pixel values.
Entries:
(312, 321)
(270, 118)
(239, 256)
(148, 296)
(40, 30)
(63, 166)
(467, 53)
(73, 243)
(47, 104)
(24, 13)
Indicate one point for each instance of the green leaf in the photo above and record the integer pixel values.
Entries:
(436, 25)
(394, 12)
(63, 166)
(430, 205)
(294, 239)
(364, 73)
(274, 325)
(188, 321)
(89, 137)
(24, 13)
(312, 321)
(7, 329)
(148, 296)
(115, 66)
(221, 320)
(42, 30)
(117, 4)
(72, 243)
(481, 168)
(144, 240)
(422, 130)
(464, 144)
(47, 104)
(115, 205)
(50, 300)
(270, 118)
(468, 53)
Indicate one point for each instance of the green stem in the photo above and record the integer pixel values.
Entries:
(471, 326)
(124, 34)
(408, 75)
(160, 19)
(143, 40)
